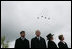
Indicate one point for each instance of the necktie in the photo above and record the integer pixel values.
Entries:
(38, 38)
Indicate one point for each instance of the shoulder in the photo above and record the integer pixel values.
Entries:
(60, 43)
(26, 39)
(51, 42)
(33, 38)
(18, 39)
(42, 38)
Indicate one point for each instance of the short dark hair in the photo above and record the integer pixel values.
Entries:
(22, 32)
(60, 37)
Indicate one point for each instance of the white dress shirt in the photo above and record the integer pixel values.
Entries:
(22, 38)
(38, 38)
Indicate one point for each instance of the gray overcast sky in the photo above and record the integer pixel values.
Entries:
(22, 15)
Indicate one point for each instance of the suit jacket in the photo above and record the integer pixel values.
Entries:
(22, 43)
(35, 43)
(62, 45)
(51, 44)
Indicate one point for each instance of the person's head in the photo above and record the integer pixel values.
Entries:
(50, 37)
(22, 33)
(37, 33)
(61, 37)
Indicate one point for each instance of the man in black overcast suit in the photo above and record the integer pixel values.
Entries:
(51, 43)
(38, 41)
(22, 42)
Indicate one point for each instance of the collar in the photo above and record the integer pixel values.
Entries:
(23, 38)
(62, 42)
(38, 37)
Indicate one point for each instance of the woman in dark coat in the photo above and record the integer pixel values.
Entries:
(51, 43)
(62, 44)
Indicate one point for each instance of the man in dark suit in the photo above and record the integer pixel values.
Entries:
(38, 41)
(51, 43)
(22, 42)
(62, 44)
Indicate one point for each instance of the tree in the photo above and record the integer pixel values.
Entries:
(3, 44)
